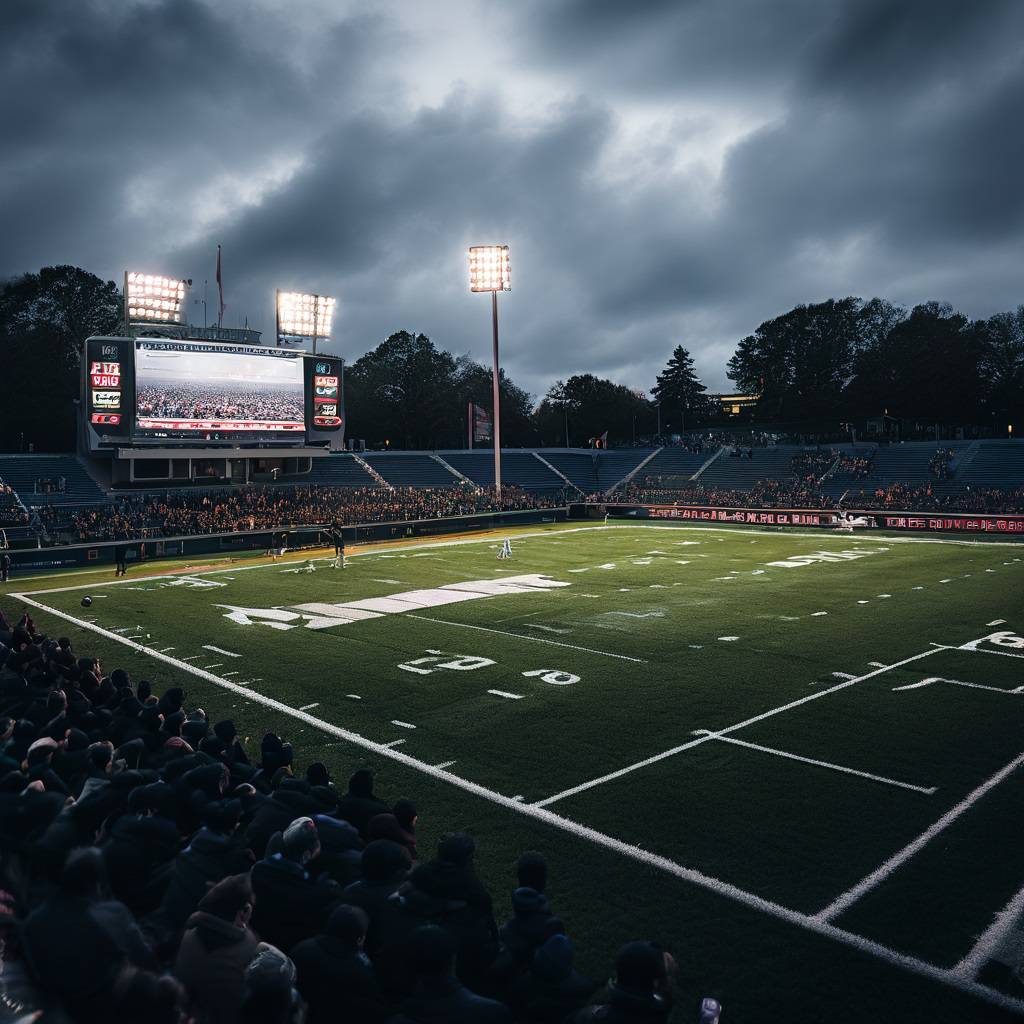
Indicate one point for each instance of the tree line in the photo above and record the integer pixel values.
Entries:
(817, 365)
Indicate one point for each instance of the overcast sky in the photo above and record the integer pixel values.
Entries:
(666, 172)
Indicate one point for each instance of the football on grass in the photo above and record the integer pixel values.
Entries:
(86, 601)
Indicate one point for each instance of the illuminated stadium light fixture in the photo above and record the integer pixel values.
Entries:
(490, 271)
(300, 315)
(152, 298)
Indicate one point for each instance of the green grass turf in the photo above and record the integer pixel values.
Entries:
(788, 831)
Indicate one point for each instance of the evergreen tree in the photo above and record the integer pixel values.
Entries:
(679, 388)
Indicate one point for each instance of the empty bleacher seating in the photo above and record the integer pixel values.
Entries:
(26, 472)
(340, 470)
(410, 469)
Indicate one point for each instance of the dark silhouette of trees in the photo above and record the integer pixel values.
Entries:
(44, 319)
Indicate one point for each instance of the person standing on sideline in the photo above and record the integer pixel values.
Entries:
(120, 554)
(5, 567)
(506, 548)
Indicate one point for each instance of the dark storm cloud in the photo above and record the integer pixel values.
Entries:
(678, 173)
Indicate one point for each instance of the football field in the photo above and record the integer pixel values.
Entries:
(821, 733)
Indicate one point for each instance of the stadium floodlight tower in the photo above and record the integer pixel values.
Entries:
(152, 299)
(302, 315)
(489, 271)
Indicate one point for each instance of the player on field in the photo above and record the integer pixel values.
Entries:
(506, 548)
(338, 536)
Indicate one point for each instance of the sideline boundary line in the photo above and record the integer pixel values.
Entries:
(846, 900)
(719, 733)
(825, 929)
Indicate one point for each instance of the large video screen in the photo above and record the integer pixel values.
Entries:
(186, 389)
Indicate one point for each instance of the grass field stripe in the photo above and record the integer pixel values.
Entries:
(732, 728)
(220, 650)
(927, 790)
(532, 639)
(511, 696)
(880, 874)
(724, 889)
(991, 938)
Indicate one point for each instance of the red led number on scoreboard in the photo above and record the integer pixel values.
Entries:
(114, 368)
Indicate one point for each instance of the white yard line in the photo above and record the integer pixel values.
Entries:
(220, 650)
(991, 938)
(510, 696)
(531, 639)
(956, 682)
(880, 874)
(732, 728)
(402, 725)
(583, 832)
(306, 707)
(395, 743)
(214, 664)
(928, 791)
(985, 650)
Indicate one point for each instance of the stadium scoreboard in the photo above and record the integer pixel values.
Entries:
(161, 391)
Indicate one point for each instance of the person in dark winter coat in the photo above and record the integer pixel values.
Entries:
(213, 854)
(359, 804)
(523, 934)
(438, 997)
(384, 866)
(641, 991)
(387, 826)
(551, 989)
(217, 947)
(269, 995)
(139, 855)
(290, 905)
(335, 976)
(341, 851)
(79, 940)
(450, 876)
(292, 799)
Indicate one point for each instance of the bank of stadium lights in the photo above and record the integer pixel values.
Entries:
(151, 298)
(304, 316)
(490, 271)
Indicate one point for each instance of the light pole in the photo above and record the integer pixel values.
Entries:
(489, 272)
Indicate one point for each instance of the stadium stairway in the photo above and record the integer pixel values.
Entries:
(22, 471)
(339, 470)
(577, 466)
(518, 467)
(615, 464)
(410, 469)
(677, 462)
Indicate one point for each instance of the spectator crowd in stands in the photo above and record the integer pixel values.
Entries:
(260, 507)
(155, 870)
(801, 494)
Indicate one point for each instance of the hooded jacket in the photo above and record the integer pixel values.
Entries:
(211, 964)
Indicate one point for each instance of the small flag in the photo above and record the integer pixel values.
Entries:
(220, 290)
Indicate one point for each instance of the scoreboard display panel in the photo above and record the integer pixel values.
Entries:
(152, 391)
(186, 389)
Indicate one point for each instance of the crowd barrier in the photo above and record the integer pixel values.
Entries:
(297, 537)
